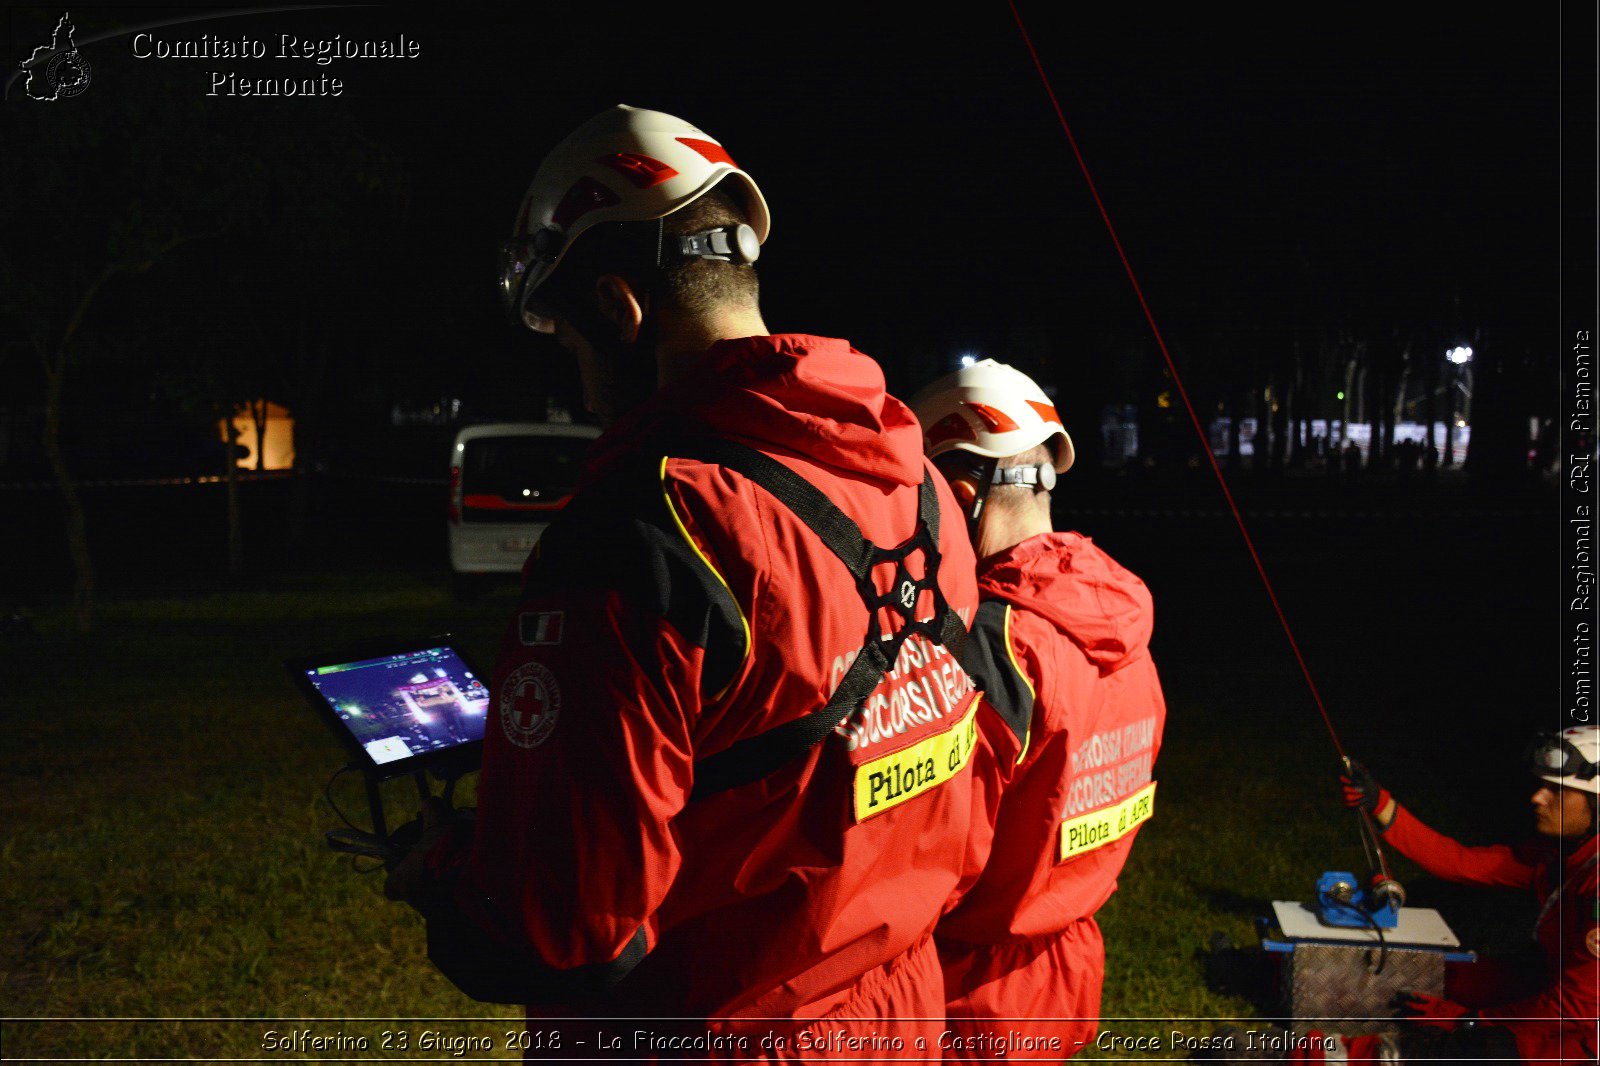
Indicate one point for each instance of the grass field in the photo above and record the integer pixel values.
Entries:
(164, 856)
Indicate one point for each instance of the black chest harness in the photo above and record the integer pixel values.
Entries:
(756, 757)
(499, 968)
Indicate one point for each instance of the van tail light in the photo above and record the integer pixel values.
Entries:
(455, 495)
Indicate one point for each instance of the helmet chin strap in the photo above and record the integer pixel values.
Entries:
(982, 473)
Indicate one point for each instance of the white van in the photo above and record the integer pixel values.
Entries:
(508, 480)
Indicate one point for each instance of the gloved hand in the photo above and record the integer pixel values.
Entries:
(408, 877)
(1431, 1010)
(1361, 789)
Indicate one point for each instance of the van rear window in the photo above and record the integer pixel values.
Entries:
(510, 479)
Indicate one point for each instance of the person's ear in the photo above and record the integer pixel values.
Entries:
(619, 306)
(966, 493)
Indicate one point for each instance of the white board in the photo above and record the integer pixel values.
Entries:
(1419, 926)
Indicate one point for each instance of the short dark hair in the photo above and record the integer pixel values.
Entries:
(697, 286)
(700, 286)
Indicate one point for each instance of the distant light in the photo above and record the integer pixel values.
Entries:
(968, 360)
(351, 708)
(1459, 355)
(1461, 423)
(1338, 396)
(527, 492)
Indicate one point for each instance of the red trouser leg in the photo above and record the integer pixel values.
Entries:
(878, 1022)
(1042, 996)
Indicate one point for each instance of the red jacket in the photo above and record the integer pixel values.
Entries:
(1067, 631)
(678, 609)
(1568, 931)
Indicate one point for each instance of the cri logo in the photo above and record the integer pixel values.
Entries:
(530, 702)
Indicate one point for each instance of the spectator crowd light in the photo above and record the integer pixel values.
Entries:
(1459, 355)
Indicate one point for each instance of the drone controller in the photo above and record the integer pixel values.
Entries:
(401, 708)
(392, 847)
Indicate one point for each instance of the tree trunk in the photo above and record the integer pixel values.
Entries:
(258, 414)
(1349, 401)
(77, 523)
(1373, 402)
(1294, 411)
(1236, 417)
(1430, 406)
(311, 370)
(1280, 429)
(1291, 425)
(1398, 412)
(235, 525)
(56, 358)
(55, 362)
(1449, 456)
(1262, 403)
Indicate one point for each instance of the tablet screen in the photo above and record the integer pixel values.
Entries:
(405, 705)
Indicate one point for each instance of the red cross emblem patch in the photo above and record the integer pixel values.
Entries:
(530, 702)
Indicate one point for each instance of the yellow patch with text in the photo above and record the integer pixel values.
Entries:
(888, 781)
(1099, 828)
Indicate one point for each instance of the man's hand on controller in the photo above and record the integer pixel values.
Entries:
(410, 876)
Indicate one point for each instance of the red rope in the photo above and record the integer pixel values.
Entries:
(1177, 380)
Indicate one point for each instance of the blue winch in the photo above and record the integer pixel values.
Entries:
(1343, 903)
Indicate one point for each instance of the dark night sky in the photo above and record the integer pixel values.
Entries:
(924, 195)
(925, 202)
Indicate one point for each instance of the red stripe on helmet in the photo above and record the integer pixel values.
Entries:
(950, 427)
(1046, 411)
(713, 151)
(998, 421)
(643, 171)
(585, 195)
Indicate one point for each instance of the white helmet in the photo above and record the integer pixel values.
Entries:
(993, 410)
(624, 165)
(1570, 757)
